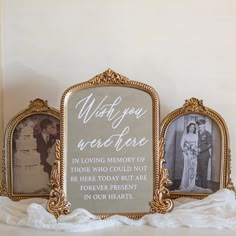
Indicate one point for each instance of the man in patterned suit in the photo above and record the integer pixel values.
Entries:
(45, 140)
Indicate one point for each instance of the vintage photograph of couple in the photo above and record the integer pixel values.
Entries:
(193, 154)
(33, 147)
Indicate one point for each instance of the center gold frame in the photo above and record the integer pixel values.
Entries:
(58, 205)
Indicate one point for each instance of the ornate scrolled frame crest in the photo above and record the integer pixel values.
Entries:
(36, 107)
(108, 76)
(58, 204)
(195, 106)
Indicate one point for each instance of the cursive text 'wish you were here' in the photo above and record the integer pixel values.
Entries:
(89, 109)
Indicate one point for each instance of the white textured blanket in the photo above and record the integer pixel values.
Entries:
(217, 211)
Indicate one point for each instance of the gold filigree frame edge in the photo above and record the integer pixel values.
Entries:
(57, 204)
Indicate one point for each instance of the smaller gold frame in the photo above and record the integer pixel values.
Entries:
(197, 150)
(58, 203)
(25, 166)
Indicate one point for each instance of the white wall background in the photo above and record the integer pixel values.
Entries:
(182, 48)
(1, 90)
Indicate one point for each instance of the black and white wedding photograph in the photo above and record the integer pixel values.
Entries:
(193, 154)
(33, 149)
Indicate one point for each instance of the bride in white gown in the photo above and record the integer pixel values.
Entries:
(189, 146)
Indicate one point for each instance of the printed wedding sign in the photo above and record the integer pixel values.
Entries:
(108, 149)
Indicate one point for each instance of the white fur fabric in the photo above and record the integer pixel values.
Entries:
(217, 211)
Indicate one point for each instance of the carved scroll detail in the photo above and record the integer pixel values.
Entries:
(109, 77)
(38, 105)
(57, 204)
(160, 203)
(193, 105)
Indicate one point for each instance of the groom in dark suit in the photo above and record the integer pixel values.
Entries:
(45, 140)
(204, 145)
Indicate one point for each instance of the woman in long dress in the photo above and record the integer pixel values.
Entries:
(189, 146)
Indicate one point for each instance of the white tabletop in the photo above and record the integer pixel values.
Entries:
(192, 218)
(119, 230)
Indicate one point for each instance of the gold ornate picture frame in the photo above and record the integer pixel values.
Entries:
(29, 151)
(108, 160)
(197, 150)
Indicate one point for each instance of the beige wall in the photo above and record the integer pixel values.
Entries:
(182, 48)
(1, 90)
